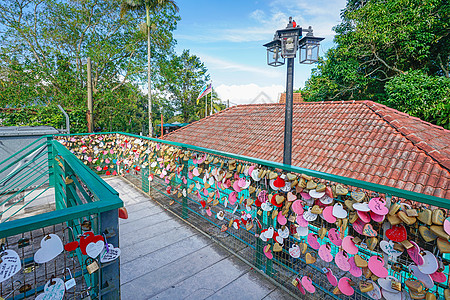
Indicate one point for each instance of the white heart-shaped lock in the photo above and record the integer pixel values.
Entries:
(266, 206)
(51, 247)
(315, 194)
(388, 248)
(284, 233)
(364, 206)
(376, 292)
(309, 216)
(94, 249)
(109, 254)
(325, 199)
(269, 233)
(430, 263)
(10, 264)
(272, 186)
(425, 278)
(287, 187)
(302, 231)
(339, 211)
(385, 284)
(53, 290)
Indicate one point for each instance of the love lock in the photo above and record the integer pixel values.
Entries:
(86, 225)
(93, 266)
(23, 242)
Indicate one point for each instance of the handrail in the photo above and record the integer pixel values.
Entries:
(108, 200)
(418, 197)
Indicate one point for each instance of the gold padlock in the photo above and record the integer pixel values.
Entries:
(93, 266)
(396, 285)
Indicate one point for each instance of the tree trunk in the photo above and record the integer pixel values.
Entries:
(149, 28)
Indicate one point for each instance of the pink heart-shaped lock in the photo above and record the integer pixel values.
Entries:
(301, 221)
(232, 198)
(236, 186)
(377, 218)
(325, 253)
(341, 261)
(414, 253)
(354, 269)
(447, 225)
(359, 226)
(268, 252)
(331, 278)
(307, 284)
(349, 246)
(438, 277)
(334, 236)
(300, 286)
(378, 206)
(364, 216)
(327, 214)
(297, 207)
(376, 265)
(312, 241)
(281, 219)
(345, 287)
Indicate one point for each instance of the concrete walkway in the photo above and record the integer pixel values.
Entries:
(164, 258)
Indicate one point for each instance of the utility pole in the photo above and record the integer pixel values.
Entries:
(89, 97)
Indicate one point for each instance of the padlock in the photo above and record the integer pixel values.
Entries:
(86, 225)
(71, 282)
(396, 285)
(23, 242)
(25, 288)
(93, 266)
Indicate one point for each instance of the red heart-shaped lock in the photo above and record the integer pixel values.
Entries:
(71, 246)
(279, 183)
(123, 213)
(108, 173)
(105, 168)
(274, 202)
(203, 203)
(89, 237)
(137, 168)
(397, 233)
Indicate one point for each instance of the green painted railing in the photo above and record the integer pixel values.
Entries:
(189, 207)
(46, 165)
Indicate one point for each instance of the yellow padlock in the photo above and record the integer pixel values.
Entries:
(93, 266)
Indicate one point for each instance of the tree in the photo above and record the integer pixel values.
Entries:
(44, 43)
(378, 44)
(182, 78)
(148, 6)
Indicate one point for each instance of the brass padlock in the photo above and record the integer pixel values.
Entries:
(86, 225)
(396, 285)
(91, 267)
(23, 242)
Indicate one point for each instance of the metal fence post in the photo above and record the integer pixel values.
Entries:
(184, 172)
(109, 280)
(51, 161)
(144, 180)
(259, 255)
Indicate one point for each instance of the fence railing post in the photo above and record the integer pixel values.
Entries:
(51, 161)
(109, 280)
(184, 173)
(144, 180)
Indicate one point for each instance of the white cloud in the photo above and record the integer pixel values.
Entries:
(248, 93)
(214, 63)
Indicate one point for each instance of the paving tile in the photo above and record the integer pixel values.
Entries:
(153, 244)
(153, 283)
(248, 286)
(142, 213)
(160, 257)
(206, 282)
(278, 294)
(146, 221)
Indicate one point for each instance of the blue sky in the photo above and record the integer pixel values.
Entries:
(228, 37)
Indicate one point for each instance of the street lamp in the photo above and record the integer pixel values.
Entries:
(284, 45)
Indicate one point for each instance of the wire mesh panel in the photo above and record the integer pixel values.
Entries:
(312, 232)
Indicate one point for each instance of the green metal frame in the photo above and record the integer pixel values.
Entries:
(414, 196)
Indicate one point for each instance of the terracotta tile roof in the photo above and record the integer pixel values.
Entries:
(360, 139)
(297, 98)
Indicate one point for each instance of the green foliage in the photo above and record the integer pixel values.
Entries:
(381, 44)
(183, 77)
(44, 43)
(420, 95)
(45, 115)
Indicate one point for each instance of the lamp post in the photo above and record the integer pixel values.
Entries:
(284, 45)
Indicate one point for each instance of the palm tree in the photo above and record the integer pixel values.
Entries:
(148, 6)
